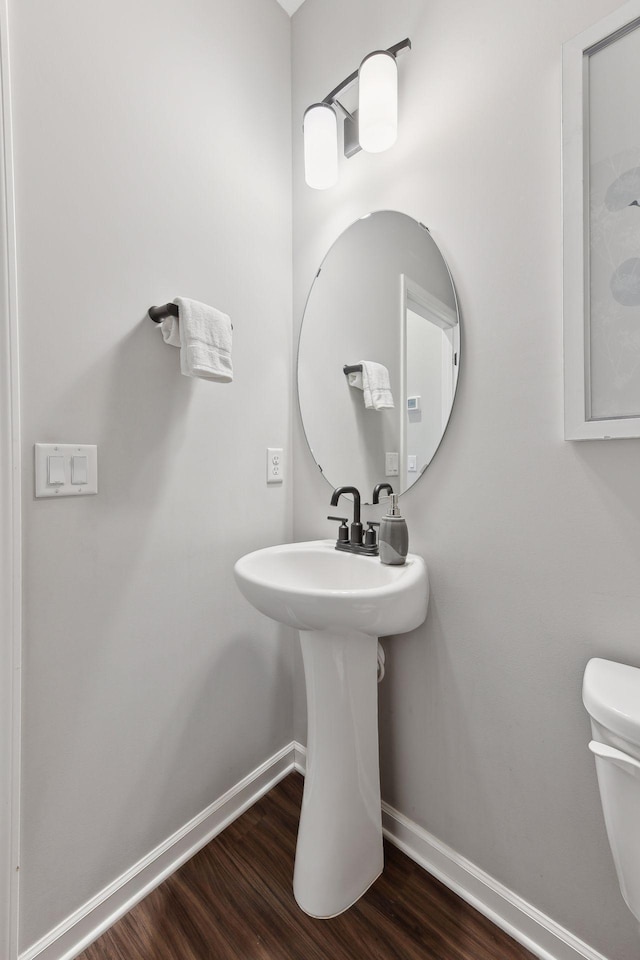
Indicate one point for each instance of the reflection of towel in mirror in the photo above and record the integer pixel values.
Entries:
(376, 386)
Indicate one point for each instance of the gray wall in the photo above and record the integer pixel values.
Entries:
(150, 685)
(532, 543)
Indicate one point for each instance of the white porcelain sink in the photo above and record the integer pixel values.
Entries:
(313, 586)
(341, 603)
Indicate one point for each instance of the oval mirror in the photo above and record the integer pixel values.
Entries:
(383, 295)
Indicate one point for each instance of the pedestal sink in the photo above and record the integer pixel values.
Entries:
(340, 603)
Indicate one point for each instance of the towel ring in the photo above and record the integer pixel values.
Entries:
(158, 314)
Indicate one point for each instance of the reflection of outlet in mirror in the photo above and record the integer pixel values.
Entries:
(391, 465)
(412, 463)
(275, 464)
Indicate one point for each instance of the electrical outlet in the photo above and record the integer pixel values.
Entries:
(275, 464)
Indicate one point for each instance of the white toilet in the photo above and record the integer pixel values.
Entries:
(611, 694)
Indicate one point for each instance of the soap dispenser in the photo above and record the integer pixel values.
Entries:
(393, 541)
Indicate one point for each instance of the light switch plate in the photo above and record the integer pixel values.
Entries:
(43, 451)
(391, 465)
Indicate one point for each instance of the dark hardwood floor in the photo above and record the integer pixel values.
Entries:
(233, 901)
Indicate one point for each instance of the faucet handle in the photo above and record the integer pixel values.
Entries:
(343, 529)
(370, 535)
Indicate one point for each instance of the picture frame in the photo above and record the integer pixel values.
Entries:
(601, 229)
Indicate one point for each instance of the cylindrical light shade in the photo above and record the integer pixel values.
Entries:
(320, 133)
(378, 104)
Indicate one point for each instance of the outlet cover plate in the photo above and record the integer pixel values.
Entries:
(275, 464)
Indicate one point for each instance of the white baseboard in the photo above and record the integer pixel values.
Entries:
(540, 934)
(299, 757)
(525, 923)
(74, 934)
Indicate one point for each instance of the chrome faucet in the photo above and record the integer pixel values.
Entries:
(352, 540)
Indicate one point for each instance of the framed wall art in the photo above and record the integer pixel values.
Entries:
(601, 215)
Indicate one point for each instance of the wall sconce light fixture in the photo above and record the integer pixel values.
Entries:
(373, 127)
(320, 131)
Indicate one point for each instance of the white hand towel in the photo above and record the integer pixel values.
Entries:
(376, 386)
(171, 331)
(355, 380)
(204, 337)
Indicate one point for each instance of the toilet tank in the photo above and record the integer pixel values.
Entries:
(611, 694)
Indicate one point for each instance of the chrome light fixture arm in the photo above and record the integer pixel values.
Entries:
(351, 143)
(320, 121)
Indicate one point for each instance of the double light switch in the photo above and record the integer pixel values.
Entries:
(65, 469)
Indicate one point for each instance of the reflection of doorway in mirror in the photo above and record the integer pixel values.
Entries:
(429, 332)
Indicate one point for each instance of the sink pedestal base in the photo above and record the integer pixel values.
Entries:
(339, 852)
